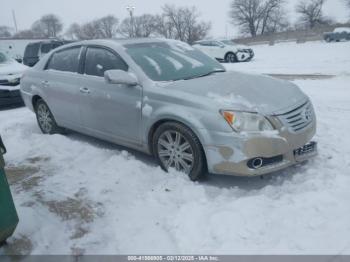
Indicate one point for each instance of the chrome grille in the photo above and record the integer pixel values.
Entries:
(299, 118)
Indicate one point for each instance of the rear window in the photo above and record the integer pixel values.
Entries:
(32, 50)
(66, 60)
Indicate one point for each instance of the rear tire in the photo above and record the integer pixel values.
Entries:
(45, 119)
(176, 146)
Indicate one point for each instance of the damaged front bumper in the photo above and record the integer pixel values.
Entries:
(245, 55)
(259, 154)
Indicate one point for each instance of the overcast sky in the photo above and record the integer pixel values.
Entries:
(216, 11)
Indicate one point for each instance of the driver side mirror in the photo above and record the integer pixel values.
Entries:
(120, 77)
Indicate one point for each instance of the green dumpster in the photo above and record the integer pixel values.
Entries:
(8, 214)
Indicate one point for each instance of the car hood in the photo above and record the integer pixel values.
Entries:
(242, 47)
(241, 91)
(11, 68)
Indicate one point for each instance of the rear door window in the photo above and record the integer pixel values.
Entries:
(45, 48)
(98, 60)
(55, 45)
(66, 60)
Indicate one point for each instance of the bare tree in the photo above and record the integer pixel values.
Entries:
(258, 16)
(26, 34)
(105, 27)
(83, 32)
(126, 28)
(5, 31)
(347, 2)
(247, 15)
(164, 27)
(273, 17)
(90, 30)
(141, 26)
(278, 22)
(185, 22)
(74, 31)
(48, 26)
(144, 25)
(311, 13)
(108, 26)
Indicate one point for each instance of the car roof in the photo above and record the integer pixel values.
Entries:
(120, 41)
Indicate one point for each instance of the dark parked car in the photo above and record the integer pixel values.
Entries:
(34, 51)
(339, 34)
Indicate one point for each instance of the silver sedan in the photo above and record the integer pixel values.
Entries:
(165, 98)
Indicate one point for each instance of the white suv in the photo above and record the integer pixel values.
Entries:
(225, 50)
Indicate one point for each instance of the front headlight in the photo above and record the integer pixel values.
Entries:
(246, 122)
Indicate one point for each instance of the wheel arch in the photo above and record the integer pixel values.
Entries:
(180, 121)
(35, 99)
(230, 52)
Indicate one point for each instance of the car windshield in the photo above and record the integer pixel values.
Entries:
(228, 42)
(172, 60)
(3, 58)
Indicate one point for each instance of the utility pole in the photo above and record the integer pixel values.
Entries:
(131, 10)
(14, 20)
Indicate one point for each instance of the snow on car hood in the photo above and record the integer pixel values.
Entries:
(11, 68)
(247, 92)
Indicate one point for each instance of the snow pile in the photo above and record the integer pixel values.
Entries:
(154, 64)
(177, 65)
(195, 63)
(291, 58)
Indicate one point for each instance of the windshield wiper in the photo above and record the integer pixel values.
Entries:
(207, 74)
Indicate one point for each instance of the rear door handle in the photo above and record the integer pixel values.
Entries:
(45, 83)
(84, 90)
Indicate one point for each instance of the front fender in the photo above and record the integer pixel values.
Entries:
(200, 122)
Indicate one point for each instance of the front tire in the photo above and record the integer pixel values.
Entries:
(176, 146)
(45, 119)
(230, 58)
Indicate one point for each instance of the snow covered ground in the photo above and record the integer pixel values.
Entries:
(291, 58)
(76, 194)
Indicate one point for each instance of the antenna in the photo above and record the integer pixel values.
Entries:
(14, 20)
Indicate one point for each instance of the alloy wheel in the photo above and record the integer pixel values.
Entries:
(231, 58)
(44, 118)
(175, 151)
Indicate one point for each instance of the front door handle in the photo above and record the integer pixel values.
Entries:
(84, 90)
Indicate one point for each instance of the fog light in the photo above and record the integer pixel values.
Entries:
(257, 163)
